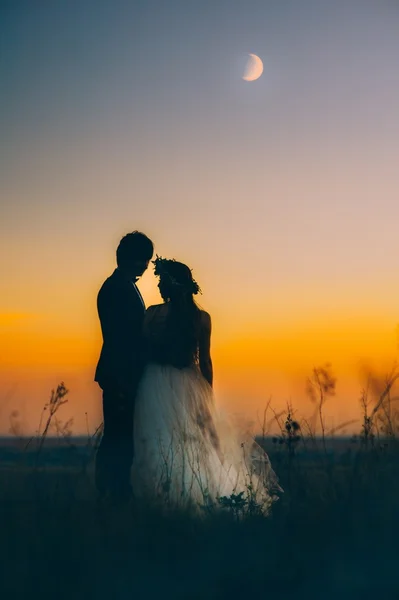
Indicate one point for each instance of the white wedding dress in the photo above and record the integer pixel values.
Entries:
(187, 452)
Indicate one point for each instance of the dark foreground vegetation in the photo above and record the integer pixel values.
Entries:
(334, 533)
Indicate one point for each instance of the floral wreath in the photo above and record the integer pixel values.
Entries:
(161, 269)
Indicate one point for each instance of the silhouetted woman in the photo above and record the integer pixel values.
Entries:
(187, 453)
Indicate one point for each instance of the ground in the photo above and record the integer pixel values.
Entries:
(333, 532)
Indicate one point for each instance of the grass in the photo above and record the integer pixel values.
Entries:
(334, 532)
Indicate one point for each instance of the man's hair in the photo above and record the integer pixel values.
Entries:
(134, 246)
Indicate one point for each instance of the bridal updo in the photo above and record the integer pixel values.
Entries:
(181, 332)
(175, 279)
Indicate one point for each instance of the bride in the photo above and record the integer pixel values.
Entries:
(187, 452)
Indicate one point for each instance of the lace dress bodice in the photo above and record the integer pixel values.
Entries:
(162, 344)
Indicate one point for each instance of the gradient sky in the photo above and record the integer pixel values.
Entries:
(281, 194)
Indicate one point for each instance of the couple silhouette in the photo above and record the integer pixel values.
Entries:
(165, 440)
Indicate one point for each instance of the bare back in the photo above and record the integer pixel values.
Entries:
(165, 342)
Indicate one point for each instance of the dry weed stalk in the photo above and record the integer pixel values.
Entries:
(320, 386)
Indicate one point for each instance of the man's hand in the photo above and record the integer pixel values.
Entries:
(125, 398)
(122, 401)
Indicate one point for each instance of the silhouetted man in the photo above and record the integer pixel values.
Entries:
(121, 311)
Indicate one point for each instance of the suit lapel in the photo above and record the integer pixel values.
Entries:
(138, 293)
(133, 289)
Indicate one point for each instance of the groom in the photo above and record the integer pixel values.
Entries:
(121, 311)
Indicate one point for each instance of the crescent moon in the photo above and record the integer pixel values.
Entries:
(253, 69)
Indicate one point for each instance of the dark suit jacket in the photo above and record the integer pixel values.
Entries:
(121, 314)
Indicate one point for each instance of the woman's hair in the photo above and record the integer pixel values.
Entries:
(182, 324)
(132, 247)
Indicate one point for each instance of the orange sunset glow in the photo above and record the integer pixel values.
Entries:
(280, 194)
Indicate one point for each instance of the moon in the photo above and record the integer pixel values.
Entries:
(253, 68)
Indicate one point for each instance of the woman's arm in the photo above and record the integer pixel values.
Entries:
(205, 360)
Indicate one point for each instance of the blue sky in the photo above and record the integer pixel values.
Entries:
(281, 194)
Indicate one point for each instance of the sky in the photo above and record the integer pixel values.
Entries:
(281, 194)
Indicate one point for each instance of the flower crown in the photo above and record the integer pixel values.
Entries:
(161, 269)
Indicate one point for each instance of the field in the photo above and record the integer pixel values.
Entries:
(333, 533)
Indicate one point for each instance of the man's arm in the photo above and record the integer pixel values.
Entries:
(118, 335)
(205, 360)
